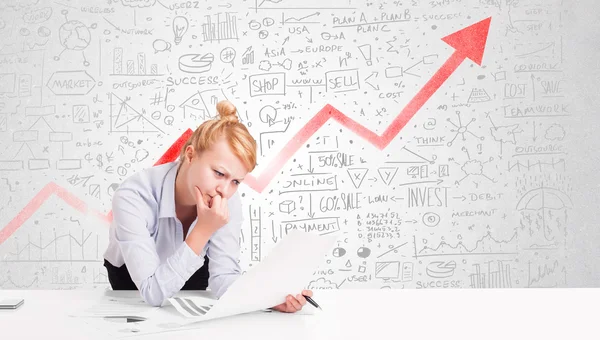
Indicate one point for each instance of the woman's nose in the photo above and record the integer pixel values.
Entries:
(222, 189)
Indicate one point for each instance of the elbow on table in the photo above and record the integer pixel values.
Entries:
(150, 296)
(153, 301)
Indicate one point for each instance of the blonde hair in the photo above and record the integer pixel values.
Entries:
(225, 125)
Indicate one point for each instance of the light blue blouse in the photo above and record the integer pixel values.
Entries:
(146, 234)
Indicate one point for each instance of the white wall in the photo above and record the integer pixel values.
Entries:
(486, 185)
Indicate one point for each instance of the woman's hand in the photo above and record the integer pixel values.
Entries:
(213, 217)
(293, 304)
(210, 219)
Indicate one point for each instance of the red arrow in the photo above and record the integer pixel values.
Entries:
(72, 200)
(468, 43)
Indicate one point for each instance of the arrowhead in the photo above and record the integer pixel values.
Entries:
(470, 41)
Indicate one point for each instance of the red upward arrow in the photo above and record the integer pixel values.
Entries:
(468, 43)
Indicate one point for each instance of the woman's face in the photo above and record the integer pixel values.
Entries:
(216, 171)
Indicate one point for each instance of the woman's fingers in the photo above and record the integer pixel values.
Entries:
(225, 208)
(223, 203)
(307, 292)
(294, 303)
(301, 299)
(285, 307)
(216, 202)
(199, 198)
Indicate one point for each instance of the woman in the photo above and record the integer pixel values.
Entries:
(177, 225)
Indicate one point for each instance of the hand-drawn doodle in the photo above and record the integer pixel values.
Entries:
(180, 27)
(75, 36)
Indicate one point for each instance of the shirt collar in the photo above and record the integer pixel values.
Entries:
(167, 198)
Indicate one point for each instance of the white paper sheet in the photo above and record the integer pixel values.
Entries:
(287, 269)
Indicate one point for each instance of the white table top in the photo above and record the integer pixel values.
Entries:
(347, 314)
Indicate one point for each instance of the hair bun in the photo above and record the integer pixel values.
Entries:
(227, 111)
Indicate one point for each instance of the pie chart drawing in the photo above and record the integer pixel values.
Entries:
(339, 252)
(363, 252)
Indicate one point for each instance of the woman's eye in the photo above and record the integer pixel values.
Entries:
(236, 182)
(219, 173)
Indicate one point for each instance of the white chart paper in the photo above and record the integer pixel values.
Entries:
(286, 270)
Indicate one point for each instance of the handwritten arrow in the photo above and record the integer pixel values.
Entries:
(421, 182)
(274, 238)
(374, 73)
(311, 214)
(533, 86)
(467, 43)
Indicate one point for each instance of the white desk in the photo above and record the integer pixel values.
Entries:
(348, 314)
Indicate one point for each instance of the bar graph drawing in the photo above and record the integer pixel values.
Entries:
(132, 67)
(499, 278)
(248, 56)
(221, 29)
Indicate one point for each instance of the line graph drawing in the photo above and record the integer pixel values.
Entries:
(468, 43)
(99, 277)
(57, 249)
(72, 200)
(544, 272)
(301, 20)
(260, 4)
(9, 283)
(486, 245)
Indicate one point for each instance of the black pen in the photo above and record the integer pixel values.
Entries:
(312, 302)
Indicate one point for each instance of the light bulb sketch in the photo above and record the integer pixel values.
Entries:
(180, 26)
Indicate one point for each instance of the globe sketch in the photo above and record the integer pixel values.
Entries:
(74, 35)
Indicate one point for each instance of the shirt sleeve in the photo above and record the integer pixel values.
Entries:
(224, 251)
(155, 281)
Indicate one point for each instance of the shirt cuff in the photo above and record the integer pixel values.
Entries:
(185, 262)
